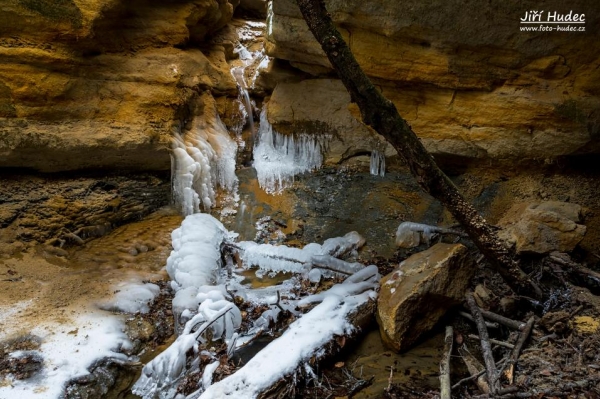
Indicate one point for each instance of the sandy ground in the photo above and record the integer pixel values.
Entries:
(60, 300)
(37, 286)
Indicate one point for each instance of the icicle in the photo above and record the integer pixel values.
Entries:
(204, 159)
(377, 163)
(238, 74)
(194, 269)
(278, 158)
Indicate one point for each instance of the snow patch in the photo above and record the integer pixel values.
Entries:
(132, 297)
(68, 351)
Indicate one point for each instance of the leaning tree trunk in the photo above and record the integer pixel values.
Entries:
(381, 114)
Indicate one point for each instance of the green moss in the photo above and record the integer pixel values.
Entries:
(570, 110)
(56, 10)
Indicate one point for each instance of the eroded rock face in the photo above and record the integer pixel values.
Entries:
(321, 106)
(541, 228)
(101, 84)
(469, 82)
(64, 212)
(420, 291)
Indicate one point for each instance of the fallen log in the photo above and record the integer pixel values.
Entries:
(345, 310)
(581, 275)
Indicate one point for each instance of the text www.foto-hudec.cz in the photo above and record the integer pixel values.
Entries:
(554, 21)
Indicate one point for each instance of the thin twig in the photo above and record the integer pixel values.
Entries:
(278, 300)
(487, 323)
(347, 273)
(507, 390)
(516, 325)
(445, 385)
(469, 378)
(486, 347)
(493, 341)
(207, 324)
(514, 355)
(501, 364)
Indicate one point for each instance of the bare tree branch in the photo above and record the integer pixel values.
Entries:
(381, 114)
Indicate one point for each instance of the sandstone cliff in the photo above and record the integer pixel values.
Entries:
(464, 75)
(101, 84)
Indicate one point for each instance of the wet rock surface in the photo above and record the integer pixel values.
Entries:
(63, 212)
(39, 288)
(420, 291)
(332, 202)
(321, 107)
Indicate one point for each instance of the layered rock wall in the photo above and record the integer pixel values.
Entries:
(102, 84)
(467, 78)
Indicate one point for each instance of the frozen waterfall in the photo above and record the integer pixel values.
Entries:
(377, 163)
(278, 158)
(203, 160)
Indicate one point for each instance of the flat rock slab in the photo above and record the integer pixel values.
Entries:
(420, 291)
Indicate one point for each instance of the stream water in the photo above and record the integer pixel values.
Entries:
(74, 308)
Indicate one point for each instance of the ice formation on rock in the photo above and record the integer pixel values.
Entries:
(281, 258)
(238, 74)
(204, 295)
(409, 234)
(203, 159)
(377, 163)
(278, 158)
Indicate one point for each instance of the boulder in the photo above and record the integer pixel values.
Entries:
(420, 291)
(541, 228)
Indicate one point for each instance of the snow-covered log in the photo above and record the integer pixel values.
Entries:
(336, 265)
(281, 258)
(409, 234)
(343, 311)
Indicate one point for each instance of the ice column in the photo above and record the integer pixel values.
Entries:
(278, 158)
(203, 159)
(377, 163)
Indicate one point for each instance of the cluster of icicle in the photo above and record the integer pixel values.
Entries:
(203, 295)
(377, 163)
(246, 105)
(278, 158)
(203, 159)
